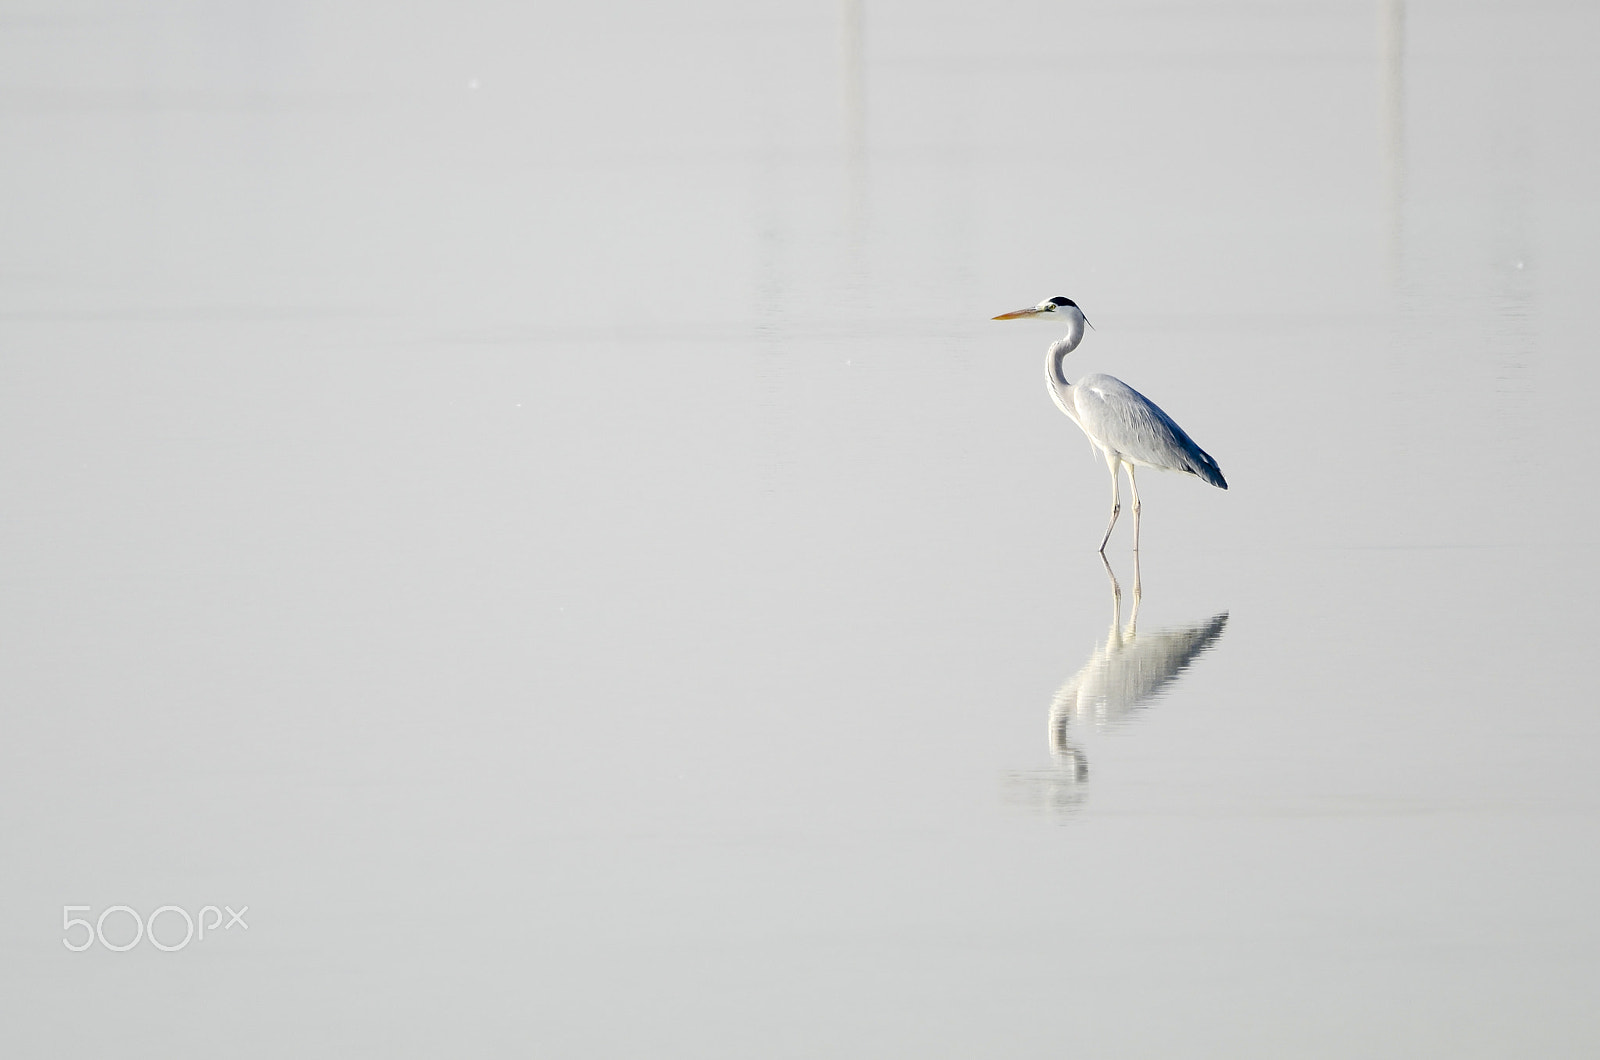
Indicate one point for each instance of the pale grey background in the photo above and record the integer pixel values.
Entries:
(527, 499)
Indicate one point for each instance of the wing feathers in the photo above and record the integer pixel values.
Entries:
(1119, 417)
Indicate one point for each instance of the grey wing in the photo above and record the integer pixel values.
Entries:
(1120, 417)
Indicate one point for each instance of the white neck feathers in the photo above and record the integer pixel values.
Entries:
(1063, 346)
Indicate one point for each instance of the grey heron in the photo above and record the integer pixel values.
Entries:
(1128, 429)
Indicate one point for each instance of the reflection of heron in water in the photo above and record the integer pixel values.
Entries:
(1124, 674)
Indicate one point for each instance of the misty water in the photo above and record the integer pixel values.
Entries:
(530, 502)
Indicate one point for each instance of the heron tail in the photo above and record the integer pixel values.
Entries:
(1207, 469)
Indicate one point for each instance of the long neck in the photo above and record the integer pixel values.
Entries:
(1055, 370)
(1055, 360)
(1063, 346)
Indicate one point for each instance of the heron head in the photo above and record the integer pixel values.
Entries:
(1051, 309)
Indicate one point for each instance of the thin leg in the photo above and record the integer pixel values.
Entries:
(1133, 486)
(1116, 501)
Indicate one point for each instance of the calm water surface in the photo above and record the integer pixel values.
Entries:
(530, 502)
